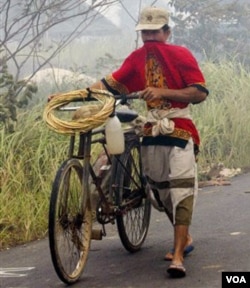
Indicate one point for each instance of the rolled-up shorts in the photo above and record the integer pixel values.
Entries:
(172, 176)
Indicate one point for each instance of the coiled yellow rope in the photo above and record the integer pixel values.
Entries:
(84, 124)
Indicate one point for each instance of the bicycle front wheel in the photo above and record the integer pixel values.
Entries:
(135, 207)
(70, 222)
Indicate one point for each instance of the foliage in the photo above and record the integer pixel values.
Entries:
(28, 161)
(9, 100)
(216, 28)
(223, 119)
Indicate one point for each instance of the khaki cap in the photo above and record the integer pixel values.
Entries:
(152, 18)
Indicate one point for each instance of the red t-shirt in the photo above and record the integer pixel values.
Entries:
(158, 64)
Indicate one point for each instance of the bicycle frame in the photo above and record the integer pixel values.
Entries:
(84, 153)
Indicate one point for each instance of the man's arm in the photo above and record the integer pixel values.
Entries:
(187, 95)
(98, 85)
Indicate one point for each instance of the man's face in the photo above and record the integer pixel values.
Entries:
(154, 35)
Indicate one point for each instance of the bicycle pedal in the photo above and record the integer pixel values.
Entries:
(96, 234)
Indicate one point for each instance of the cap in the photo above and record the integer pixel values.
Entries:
(152, 18)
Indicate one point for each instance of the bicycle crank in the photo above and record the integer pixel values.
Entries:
(105, 213)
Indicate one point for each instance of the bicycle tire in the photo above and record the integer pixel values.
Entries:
(132, 224)
(70, 222)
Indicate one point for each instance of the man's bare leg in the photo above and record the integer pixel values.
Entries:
(176, 268)
(180, 241)
(189, 241)
(180, 230)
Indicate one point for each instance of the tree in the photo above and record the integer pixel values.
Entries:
(217, 28)
(24, 29)
(26, 25)
(8, 97)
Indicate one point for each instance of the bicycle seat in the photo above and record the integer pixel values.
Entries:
(127, 115)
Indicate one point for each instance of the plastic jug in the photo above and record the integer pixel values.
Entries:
(114, 136)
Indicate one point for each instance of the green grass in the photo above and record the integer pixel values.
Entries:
(223, 119)
(30, 157)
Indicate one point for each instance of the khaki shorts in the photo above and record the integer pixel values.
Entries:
(171, 172)
(184, 209)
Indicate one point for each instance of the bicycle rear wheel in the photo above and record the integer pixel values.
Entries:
(133, 221)
(70, 222)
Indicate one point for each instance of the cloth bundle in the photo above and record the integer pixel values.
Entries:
(158, 121)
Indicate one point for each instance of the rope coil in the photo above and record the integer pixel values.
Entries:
(79, 124)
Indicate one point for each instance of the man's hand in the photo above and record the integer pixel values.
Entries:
(152, 93)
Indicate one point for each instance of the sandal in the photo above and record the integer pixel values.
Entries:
(176, 270)
(187, 250)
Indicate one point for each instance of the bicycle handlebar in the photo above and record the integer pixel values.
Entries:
(125, 97)
(122, 97)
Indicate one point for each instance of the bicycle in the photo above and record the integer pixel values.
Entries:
(123, 202)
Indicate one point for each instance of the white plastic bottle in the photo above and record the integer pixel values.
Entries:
(114, 136)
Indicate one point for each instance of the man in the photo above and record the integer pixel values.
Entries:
(169, 79)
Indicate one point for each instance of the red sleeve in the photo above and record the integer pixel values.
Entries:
(188, 68)
(130, 77)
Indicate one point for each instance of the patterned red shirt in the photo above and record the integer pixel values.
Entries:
(158, 64)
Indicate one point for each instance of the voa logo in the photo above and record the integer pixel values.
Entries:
(236, 279)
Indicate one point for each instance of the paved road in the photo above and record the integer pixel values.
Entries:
(221, 229)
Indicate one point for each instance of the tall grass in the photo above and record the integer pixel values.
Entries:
(28, 161)
(30, 157)
(223, 119)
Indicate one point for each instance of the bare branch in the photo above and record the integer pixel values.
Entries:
(27, 22)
